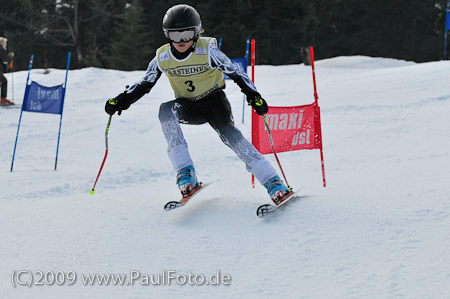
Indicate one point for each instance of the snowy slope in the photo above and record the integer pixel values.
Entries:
(379, 229)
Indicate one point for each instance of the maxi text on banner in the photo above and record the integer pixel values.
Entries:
(293, 128)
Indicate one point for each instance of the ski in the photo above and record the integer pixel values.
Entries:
(171, 205)
(11, 106)
(265, 209)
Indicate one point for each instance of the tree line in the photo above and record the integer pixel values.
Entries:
(124, 34)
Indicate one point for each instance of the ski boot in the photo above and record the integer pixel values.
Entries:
(276, 189)
(186, 180)
(6, 102)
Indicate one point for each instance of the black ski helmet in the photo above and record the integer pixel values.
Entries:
(182, 17)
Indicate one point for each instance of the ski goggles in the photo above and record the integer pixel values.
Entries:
(181, 36)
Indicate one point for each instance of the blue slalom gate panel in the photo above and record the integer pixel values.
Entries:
(43, 99)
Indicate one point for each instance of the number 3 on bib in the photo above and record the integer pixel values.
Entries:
(191, 86)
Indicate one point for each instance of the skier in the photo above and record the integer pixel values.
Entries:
(195, 68)
(6, 58)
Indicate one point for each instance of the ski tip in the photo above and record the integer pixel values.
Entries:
(172, 205)
(263, 210)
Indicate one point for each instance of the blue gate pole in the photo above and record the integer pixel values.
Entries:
(21, 111)
(62, 108)
(220, 43)
(446, 28)
(246, 61)
(246, 51)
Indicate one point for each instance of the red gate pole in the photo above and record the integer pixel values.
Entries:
(316, 98)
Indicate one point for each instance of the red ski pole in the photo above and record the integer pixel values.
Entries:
(275, 153)
(106, 155)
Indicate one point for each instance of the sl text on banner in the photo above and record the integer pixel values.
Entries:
(293, 128)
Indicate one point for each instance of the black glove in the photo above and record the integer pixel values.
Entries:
(118, 103)
(258, 103)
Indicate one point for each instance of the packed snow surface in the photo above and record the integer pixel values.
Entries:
(380, 229)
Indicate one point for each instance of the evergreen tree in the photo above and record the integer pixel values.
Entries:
(130, 47)
(124, 34)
